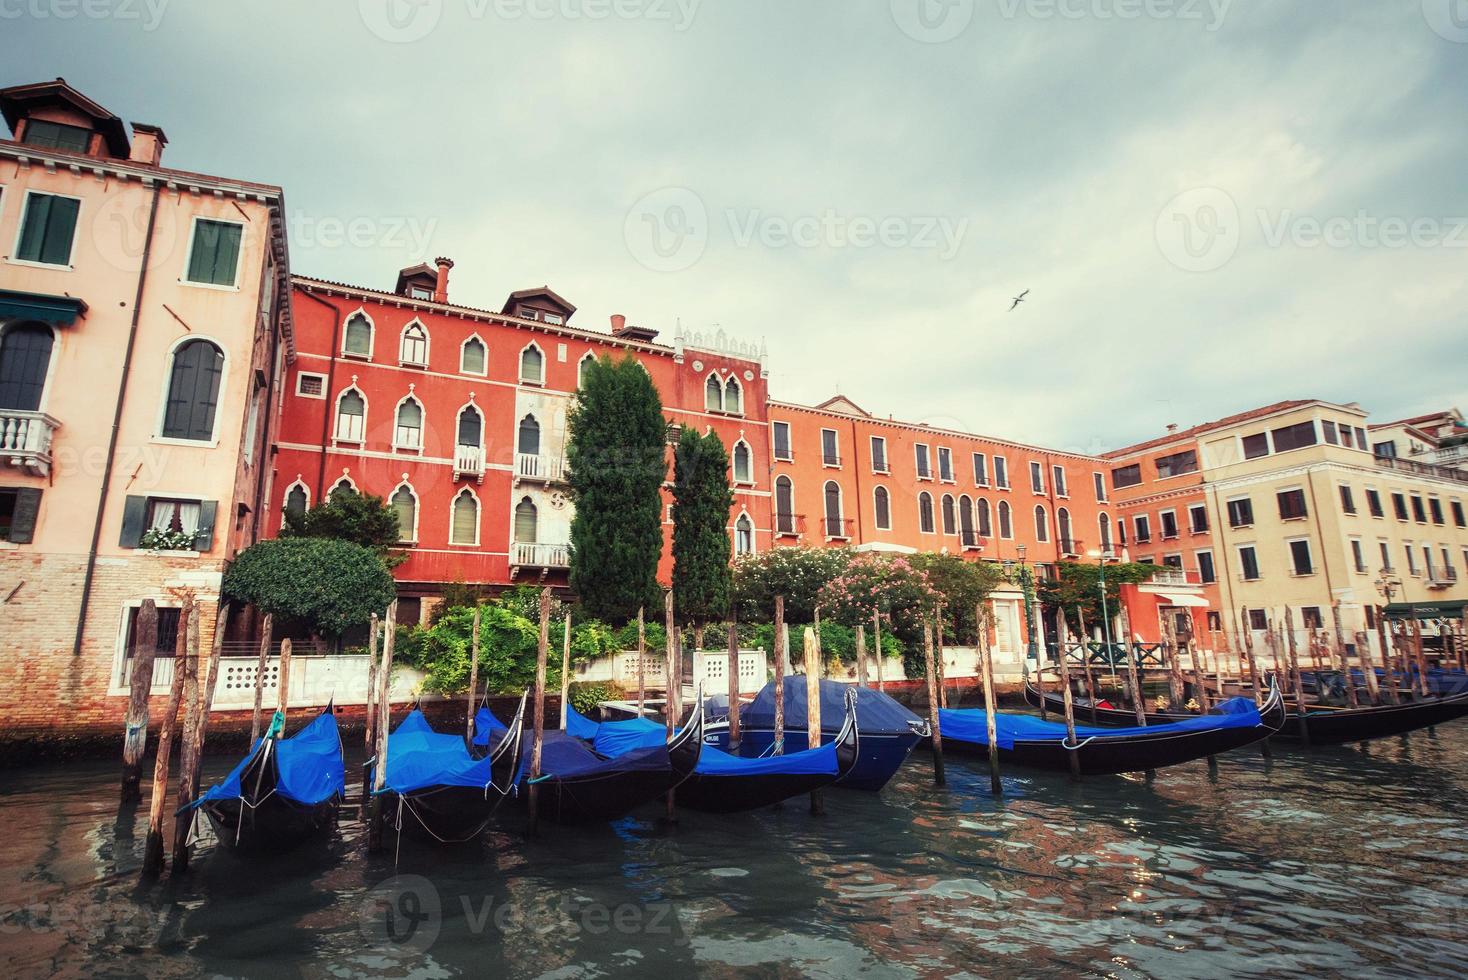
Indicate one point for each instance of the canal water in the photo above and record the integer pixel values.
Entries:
(1337, 861)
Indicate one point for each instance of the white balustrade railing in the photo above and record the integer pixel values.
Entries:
(25, 439)
(545, 469)
(468, 461)
(535, 554)
(315, 681)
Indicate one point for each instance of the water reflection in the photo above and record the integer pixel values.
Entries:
(1334, 861)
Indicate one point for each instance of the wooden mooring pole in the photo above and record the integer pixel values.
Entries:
(542, 651)
(1386, 657)
(986, 676)
(566, 672)
(733, 681)
(939, 779)
(673, 706)
(158, 800)
(1068, 697)
(189, 750)
(781, 638)
(938, 658)
(369, 730)
(812, 650)
(641, 659)
(877, 640)
(1085, 650)
(861, 655)
(383, 694)
(267, 628)
(1139, 704)
(1295, 681)
(135, 725)
(469, 709)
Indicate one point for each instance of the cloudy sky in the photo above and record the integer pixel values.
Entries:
(1214, 204)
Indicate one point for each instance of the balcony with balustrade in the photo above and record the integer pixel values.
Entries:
(538, 557)
(25, 440)
(789, 525)
(532, 468)
(469, 463)
(838, 528)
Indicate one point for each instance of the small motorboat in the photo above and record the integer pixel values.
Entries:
(284, 792)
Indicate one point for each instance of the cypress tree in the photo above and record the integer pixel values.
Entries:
(617, 459)
(701, 551)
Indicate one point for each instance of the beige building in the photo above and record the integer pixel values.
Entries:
(143, 313)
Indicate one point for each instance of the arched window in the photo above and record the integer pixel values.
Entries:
(950, 523)
(464, 519)
(25, 358)
(1103, 524)
(966, 521)
(344, 485)
(744, 535)
(1042, 524)
(742, 468)
(586, 362)
(986, 527)
(784, 505)
(925, 512)
(406, 505)
(473, 357)
(1062, 530)
(1006, 525)
(408, 432)
(882, 508)
(733, 396)
(835, 526)
(297, 501)
(532, 365)
(415, 344)
(713, 394)
(193, 391)
(527, 519)
(351, 416)
(471, 427)
(357, 338)
(528, 442)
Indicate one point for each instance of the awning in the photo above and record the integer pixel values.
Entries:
(59, 310)
(1179, 599)
(1441, 609)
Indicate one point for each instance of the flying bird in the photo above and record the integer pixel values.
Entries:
(1018, 300)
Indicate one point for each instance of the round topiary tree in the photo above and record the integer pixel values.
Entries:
(329, 584)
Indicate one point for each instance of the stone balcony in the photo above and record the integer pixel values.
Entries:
(25, 440)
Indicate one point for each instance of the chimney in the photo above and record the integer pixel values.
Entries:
(441, 289)
(148, 143)
(619, 323)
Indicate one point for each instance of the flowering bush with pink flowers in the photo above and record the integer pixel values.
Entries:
(890, 584)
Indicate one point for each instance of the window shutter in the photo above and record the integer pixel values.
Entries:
(134, 519)
(204, 539)
(23, 520)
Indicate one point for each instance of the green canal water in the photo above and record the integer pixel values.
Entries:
(1335, 862)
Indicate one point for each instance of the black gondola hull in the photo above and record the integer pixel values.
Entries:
(264, 821)
(737, 794)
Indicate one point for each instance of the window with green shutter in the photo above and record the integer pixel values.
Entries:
(56, 136)
(19, 507)
(193, 391)
(215, 255)
(47, 229)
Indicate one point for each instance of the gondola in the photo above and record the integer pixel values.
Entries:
(283, 793)
(1324, 726)
(579, 786)
(1441, 682)
(725, 783)
(436, 788)
(1028, 741)
(889, 731)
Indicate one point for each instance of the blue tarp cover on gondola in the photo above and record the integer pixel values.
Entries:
(971, 725)
(564, 756)
(419, 757)
(309, 764)
(614, 738)
(876, 713)
(487, 727)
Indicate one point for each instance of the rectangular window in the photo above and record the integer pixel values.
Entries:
(1292, 505)
(1411, 558)
(1062, 489)
(1206, 573)
(1168, 521)
(1373, 503)
(1296, 436)
(1385, 450)
(945, 464)
(1100, 481)
(1327, 429)
(1358, 554)
(47, 229)
(1427, 561)
(1458, 519)
(1144, 529)
(19, 507)
(1177, 464)
(1346, 437)
(782, 441)
(56, 136)
(1310, 617)
(981, 470)
(1256, 445)
(1348, 499)
(1258, 619)
(1198, 518)
(1399, 505)
(1037, 478)
(922, 462)
(1360, 437)
(1419, 513)
(1386, 556)
(830, 448)
(1436, 507)
(311, 385)
(1126, 476)
(1001, 472)
(215, 256)
(1172, 561)
(1300, 561)
(1215, 622)
(1240, 512)
(879, 454)
(1448, 570)
(1121, 531)
(1249, 563)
